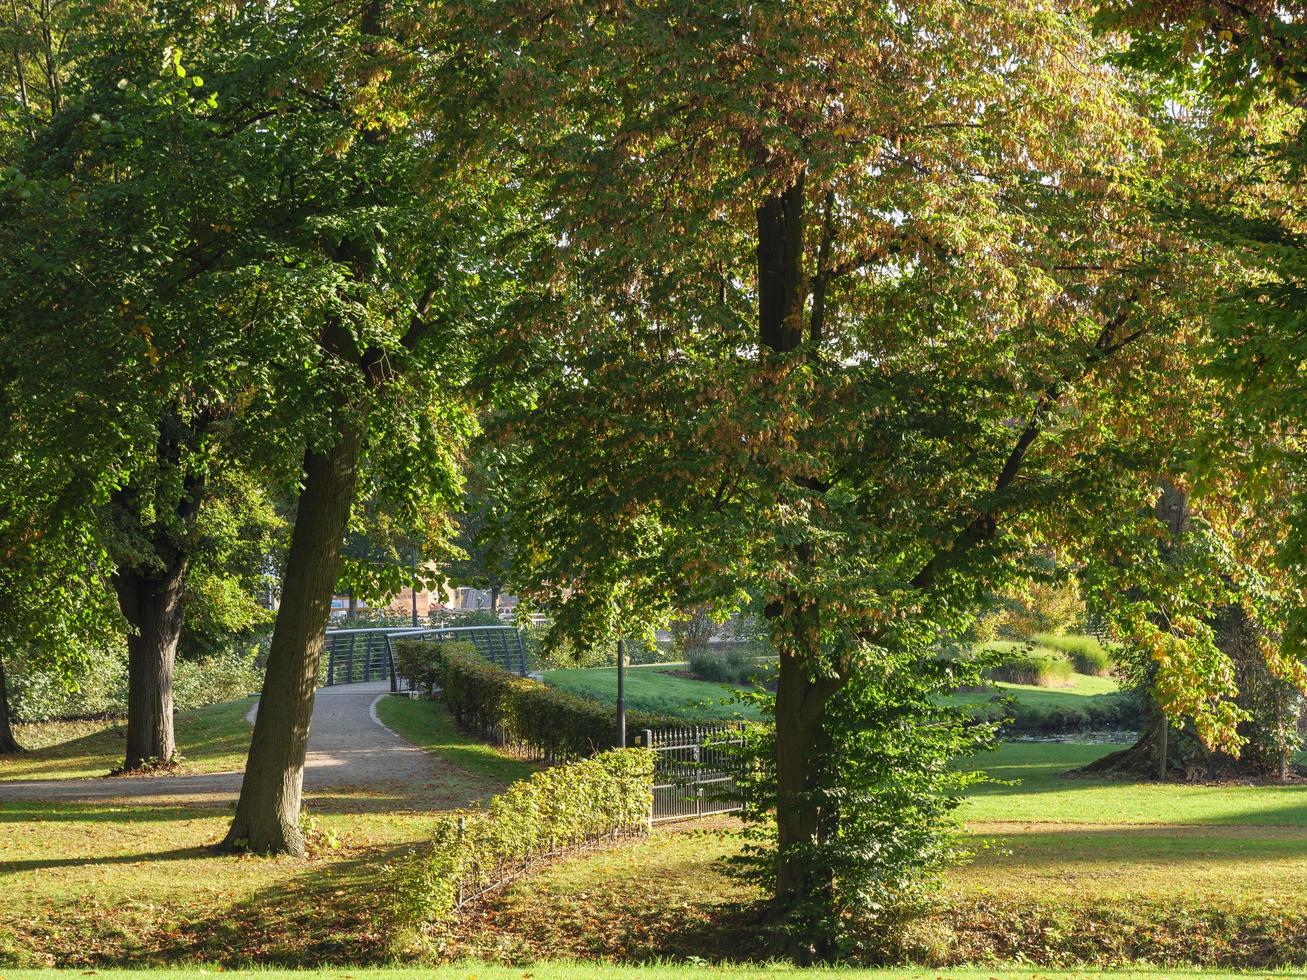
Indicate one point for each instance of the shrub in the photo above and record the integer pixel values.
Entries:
(99, 688)
(519, 711)
(420, 661)
(222, 677)
(1024, 663)
(730, 666)
(558, 808)
(1087, 653)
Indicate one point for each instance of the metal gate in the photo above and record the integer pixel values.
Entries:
(695, 771)
(368, 653)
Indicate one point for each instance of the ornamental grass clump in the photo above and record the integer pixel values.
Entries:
(1088, 654)
(1025, 663)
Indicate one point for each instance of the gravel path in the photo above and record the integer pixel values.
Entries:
(349, 749)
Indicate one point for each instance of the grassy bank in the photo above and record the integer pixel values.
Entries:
(653, 689)
(429, 724)
(215, 738)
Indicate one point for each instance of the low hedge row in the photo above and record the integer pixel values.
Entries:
(608, 795)
(552, 724)
(1121, 712)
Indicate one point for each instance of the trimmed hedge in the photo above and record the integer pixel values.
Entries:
(564, 807)
(1087, 653)
(552, 724)
(421, 662)
(1021, 663)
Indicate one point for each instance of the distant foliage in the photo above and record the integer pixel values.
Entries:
(563, 807)
(730, 665)
(420, 662)
(99, 690)
(1087, 654)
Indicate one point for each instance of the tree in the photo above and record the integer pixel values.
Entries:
(268, 314)
(402, 221)
(483, 538)
(859, 306)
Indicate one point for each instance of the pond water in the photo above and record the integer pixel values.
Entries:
(1105, 737)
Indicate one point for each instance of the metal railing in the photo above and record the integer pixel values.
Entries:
(368, 653)
(695, 771)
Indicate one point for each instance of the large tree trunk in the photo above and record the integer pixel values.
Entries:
(802, 883)
(8, 744)
(268, 812)
(802, 886)
(151, 602)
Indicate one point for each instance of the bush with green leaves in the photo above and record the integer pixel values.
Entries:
(1026, 663)
(895, 773)
(608, 795)
(98, 688)
(1088, 654)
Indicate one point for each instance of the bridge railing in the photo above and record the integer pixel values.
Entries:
(368, 653)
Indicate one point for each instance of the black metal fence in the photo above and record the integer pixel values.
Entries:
(368, 654)
(695, 771)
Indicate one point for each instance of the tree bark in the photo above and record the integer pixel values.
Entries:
(494, 598)
(151, 602)
(8, 744)
(268, 813)
(801, 882)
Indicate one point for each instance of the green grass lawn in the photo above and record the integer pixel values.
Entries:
(430, 725)
(210, 739)
(1065, 869)
(473, 970)
(651, 688)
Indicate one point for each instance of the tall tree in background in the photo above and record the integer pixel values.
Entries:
(859, 306)
(1235, 77)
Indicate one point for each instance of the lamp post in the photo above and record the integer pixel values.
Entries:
(621, 694)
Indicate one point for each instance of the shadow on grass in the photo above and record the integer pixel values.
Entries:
(41, 864)
(331, 914)
(38, 812)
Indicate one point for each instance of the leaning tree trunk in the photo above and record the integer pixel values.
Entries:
(268, 813)
(8, 744)
(151, 602)
(1153, 755)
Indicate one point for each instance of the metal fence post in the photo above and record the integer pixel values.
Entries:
(621, 694)
(390, 663)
